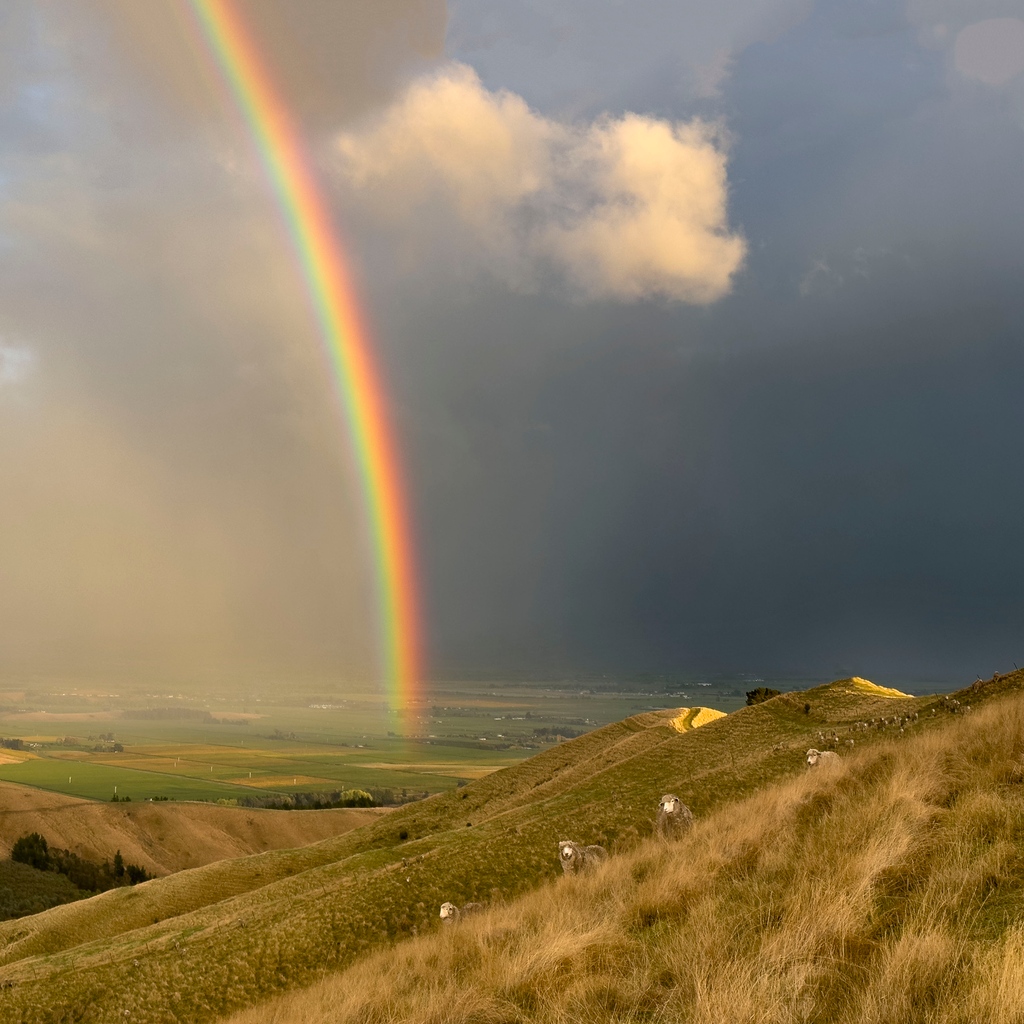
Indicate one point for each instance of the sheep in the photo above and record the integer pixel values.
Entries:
(575, 858)
(821, 757)
(451, 913)
(674, 817)
(849, 743)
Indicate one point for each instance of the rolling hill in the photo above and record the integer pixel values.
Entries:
(203, 942)
(162, 837)
(887, 888)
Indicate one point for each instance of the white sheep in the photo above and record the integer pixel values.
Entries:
(674, 817)
(821, 757)
(451, 913)
(575, 858)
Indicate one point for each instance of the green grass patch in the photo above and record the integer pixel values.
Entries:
(25, 890)
(97, 781)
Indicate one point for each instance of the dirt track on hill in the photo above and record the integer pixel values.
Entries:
(163, 837)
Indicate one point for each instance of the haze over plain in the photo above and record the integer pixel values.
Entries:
(760, 413)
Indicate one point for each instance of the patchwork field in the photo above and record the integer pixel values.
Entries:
(98, 781)
(141, 744)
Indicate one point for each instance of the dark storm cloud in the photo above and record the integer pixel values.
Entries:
(587, 56)
(818, 474)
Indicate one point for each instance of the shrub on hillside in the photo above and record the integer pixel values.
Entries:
(25, 890)
(760, 694)
(31, 850)
(373, 797)
(35, 852)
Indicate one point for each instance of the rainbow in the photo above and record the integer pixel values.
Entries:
(342, 329)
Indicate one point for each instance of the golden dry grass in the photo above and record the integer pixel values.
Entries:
(15, 756)
(890, 889)
(694, 718)
(200, 944)
(163, 837)
(866, 686)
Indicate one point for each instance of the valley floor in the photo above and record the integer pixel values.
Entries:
(886, 888)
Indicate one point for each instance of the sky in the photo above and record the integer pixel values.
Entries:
(702, 329)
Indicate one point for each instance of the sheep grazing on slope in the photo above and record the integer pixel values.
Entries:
(451, 913)
(674, 817)
(821, 757)
(575, 858)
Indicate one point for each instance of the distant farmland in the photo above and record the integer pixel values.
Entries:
(97, 781)
(215, 773)
(214, 746)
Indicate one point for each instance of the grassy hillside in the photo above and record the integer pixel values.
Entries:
(890, 888)
(162, 837)
(24, 890)
(200, 943)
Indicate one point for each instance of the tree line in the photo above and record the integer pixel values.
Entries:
(372, 797)
(33, 850)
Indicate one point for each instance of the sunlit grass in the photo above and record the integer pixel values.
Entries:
(889, 890)
(234, 933)
(98, 781)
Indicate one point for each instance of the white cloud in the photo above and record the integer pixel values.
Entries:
(484, 150)
(991, 51)
(621, 208)
(16, 363)
(983, 41)
(982, 38)
(820, 277)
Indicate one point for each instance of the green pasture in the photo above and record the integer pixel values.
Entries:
(97, 781)
(288, 771)
(313, 741)
(204, 772)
